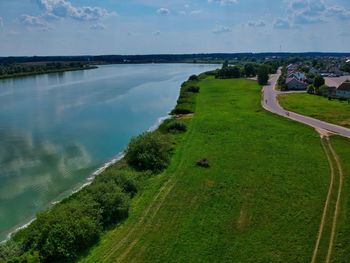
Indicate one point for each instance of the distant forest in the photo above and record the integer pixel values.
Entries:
(170, 58)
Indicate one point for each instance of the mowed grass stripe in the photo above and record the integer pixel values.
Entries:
(260, 201)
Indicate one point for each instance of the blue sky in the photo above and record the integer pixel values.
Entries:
(79, 27)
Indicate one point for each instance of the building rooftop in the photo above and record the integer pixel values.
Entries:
(345, 86)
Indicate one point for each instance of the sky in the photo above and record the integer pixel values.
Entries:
(94, 27)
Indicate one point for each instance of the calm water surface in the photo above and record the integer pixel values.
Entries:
(57, 129)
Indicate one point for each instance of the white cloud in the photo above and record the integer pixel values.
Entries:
(257, 24)
(281, 24)
(195, 12)
(314, 11)
(224, 2)
(339, 12)
(98, 26)
(163, 11)
(222, 30)
(33, 21)
(64, 8)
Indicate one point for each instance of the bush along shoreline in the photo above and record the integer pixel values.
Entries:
(68, 229)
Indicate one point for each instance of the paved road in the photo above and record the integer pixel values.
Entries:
(271, 104)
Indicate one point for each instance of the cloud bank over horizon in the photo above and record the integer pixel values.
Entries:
(72, 27)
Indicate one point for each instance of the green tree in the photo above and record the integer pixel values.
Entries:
(249, 70)
(319, 81)
(346, 67)
(225, 64)
(263, 75)
(229, 72)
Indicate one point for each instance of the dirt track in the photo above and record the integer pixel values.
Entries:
(331, 207)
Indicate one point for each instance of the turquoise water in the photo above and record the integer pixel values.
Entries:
(57, 129)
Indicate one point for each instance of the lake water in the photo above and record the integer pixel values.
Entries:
(57, 129)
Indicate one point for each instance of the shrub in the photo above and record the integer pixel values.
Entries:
(311, 89)
(182, 110)
(176, 126)
(122, 179)
(323, 90)
(10, 250)
(62, 233)
(211, 73)
(192, 89)
(203, 163)
(193, 78)
(113, 203)
(148, 151)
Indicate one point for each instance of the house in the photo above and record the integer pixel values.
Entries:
(292, 67)
(335, 71)
(298, 75)
(314, 71)
(295, 84)
(343, 91)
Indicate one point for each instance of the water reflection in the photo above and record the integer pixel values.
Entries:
(43, 162)
(56, 129)
(49, 169)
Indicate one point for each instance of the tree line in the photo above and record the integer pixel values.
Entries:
(9, 70)
(248, 70)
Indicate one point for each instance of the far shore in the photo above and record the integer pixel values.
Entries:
(26, 74)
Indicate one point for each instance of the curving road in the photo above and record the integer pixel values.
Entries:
(271, 104)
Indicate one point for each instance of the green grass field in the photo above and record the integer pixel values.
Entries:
(341, 249)
(261, 200)
(318, 107)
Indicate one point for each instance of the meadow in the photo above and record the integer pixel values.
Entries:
(341, 250)
(260, 199)
(333, 111)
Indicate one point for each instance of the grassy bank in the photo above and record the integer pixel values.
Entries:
(260, 200)
(334, 111)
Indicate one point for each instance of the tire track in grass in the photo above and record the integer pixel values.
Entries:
(328, 213)
(326, 206)
(157, 206)
(165, 188)
(337, 206)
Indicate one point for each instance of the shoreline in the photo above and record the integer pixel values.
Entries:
(88, 180)
(28, 74)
